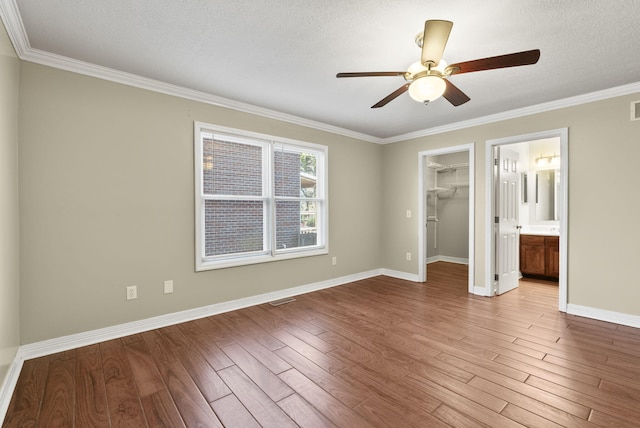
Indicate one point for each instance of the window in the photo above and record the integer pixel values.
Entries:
(258, 198)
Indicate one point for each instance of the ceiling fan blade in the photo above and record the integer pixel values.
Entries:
(454, 95)
(372, 73)
(500, 61)
(395, 94)
(434, 40)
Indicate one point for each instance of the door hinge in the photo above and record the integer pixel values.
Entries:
(496, 220)
(496, 277)
(496, 162)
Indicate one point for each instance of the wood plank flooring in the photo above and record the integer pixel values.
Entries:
(381, 352)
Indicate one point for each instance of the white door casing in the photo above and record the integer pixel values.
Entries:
(490, 235)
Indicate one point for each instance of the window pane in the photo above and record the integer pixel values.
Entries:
(295, 224)
(233, 227)
(295, 173)
(258, 198)
(231, 168)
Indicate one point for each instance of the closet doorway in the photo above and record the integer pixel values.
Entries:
(446, 202)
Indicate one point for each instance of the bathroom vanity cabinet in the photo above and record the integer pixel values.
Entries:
(540, 256)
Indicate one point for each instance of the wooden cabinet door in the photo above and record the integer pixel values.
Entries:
(532, 255)
(540, 255)
(552, 245)
(532, 260)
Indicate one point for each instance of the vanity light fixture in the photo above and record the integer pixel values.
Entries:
(547, 160)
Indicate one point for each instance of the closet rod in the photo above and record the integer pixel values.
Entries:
(437, 165)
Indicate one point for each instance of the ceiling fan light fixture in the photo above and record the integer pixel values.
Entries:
(426, 78)
(427, 88)
(416, 68)
(441, 67)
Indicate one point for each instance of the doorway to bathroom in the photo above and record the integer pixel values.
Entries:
(446, 209)
(526, 210)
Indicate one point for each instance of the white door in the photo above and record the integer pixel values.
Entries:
(507, 233)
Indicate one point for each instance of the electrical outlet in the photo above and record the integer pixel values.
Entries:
(132, 292)
(409, 256)
(334, 261)
(168, 286)
(408, 213)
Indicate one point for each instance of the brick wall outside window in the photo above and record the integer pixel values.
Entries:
(237, 226)
(233, 227)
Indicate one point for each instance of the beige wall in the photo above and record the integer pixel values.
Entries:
(9, 224)
(604, 151)
(107, 200)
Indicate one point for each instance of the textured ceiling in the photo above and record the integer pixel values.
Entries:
(284, 55)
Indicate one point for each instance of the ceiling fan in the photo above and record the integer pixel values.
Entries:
(427, 79)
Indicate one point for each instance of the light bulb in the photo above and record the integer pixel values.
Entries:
(427, 88)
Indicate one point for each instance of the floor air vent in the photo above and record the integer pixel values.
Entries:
(282, 301)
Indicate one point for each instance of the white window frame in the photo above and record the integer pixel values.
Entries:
(270, 253)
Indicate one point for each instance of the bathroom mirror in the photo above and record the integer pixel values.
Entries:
(546, 194)
(524, 183)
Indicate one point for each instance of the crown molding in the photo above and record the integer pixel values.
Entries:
(105, 73)
(10, 15)
(525, 111)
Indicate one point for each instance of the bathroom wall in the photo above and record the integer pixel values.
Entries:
(528, 153)
(538, 148)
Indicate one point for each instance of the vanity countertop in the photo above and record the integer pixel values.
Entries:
(541, 232)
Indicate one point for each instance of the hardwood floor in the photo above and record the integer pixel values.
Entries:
(381, 352)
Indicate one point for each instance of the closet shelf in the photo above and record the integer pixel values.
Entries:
(449, 186)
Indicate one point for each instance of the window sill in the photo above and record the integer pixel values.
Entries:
(252, 260)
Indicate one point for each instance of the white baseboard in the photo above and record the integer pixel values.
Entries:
(481, 291)
(51, 346)
(603, 315)
(399, 274)
(457, 260)
(9, 384)
(59, 344)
